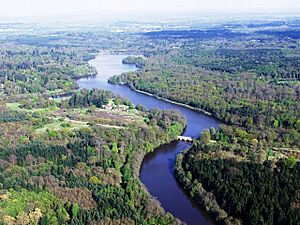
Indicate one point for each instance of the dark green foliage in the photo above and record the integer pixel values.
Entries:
(9, 116)
(139, 62)
(85, 98)
(256, 193)
(205, 137)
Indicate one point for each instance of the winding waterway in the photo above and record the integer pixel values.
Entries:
(157, 171)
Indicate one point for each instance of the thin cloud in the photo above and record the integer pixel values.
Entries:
(73, 7)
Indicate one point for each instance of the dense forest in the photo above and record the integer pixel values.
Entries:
(73, 163)
(248, 188)
(27, 70)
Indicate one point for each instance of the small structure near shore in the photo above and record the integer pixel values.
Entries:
(183, 138)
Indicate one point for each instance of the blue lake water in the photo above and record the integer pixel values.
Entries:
(157, 171)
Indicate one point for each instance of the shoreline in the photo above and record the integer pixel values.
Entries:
(216, 212)
(173, 102)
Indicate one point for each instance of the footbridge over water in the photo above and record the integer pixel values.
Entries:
(184, 138)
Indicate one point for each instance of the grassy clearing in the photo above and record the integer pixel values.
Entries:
(44, 110)
(58, 125)
(15, 106)
(82, 111)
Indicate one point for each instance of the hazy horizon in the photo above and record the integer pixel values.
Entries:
(32, 8)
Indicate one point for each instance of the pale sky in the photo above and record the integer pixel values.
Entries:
(82, 7)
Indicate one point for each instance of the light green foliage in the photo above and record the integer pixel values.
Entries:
(75, 210)
(114, 148)
(205, 137)
(94, 180)
(14, 203)
(212, 131)
(174, 130)
(269, 153)
(290, 161)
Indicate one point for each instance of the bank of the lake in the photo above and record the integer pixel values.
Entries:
(174, 102)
